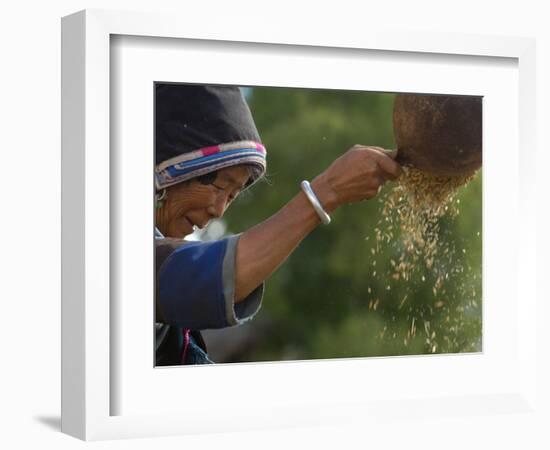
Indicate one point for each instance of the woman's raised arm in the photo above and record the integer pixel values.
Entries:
(355, 176)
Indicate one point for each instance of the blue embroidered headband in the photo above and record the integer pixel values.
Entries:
(208, 159)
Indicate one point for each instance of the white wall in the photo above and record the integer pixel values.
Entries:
(30, 186)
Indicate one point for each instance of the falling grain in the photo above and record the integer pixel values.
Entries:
(411, 223)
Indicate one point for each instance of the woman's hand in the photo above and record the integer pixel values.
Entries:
(355, 176)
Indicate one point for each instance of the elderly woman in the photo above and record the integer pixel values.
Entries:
(208, 151)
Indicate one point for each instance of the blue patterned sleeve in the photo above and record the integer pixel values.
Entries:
(196, 286)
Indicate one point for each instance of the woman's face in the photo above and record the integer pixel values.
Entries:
(193, 203)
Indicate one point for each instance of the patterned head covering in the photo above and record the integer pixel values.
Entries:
(200, 129)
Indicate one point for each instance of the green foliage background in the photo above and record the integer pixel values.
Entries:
(318, 302)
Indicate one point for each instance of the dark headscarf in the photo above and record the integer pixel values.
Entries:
(200, 129)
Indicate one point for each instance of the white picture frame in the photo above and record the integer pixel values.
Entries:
(88, 386)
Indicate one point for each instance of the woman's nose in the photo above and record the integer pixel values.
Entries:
(216, 209)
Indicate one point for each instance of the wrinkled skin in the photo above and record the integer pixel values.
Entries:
(192, 203)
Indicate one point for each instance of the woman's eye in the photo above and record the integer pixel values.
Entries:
(232, 195)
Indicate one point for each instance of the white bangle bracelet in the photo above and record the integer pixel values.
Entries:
(325, 218)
